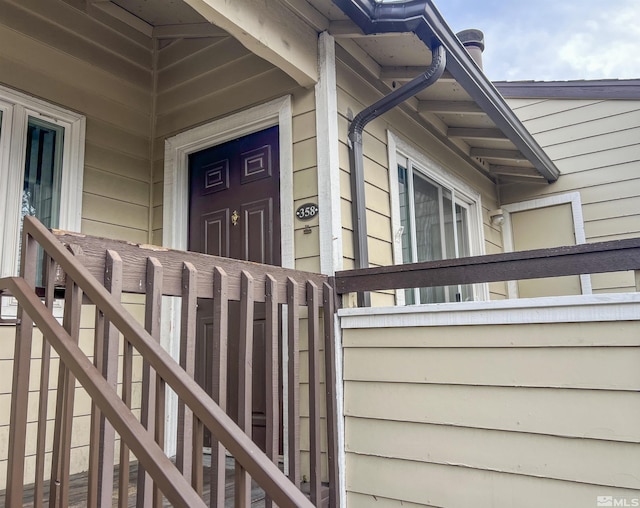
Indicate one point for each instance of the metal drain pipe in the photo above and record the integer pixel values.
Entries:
(356, 157)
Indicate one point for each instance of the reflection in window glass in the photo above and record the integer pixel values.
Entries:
(42, 171)
(438, 223)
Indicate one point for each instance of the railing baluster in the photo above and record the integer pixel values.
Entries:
(45, 369)
(245, 354)
(146, 491)
(184, 453)
(123, 468)
(219, 380)
(101, 449)
(314, 393)
(293, 376)
(20, 386)
(271, 373)
(328, 296)
(59, 486)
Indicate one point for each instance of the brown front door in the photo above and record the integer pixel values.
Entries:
(234, 211)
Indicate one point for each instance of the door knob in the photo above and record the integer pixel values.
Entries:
(234, 218)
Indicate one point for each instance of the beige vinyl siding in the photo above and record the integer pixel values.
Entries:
(58, 53)
(497, 415)
(596, 146)
(353, 95)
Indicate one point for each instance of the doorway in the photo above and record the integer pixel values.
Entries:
(234, 212)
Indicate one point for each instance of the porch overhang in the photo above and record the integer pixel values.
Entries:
(271, 31)
(502, 143)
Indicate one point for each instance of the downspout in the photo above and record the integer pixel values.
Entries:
(356, 158)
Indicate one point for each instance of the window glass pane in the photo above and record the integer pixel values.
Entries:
(427, 220)
(43, 161)
(405, 221)
(428, 223)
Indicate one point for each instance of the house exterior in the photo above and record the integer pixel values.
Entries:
(125, 119)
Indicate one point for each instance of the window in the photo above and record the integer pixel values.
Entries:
(435, 216)
(41, 169)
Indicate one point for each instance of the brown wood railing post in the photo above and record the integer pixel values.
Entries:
(146, 491)
(293, 377)
(123, 468)
(20, 386)
(219, 379)
(184, 453)
(101, 450)
(45, 370)
(271, 373)
(245, 371)
(330, 384)
(61, 456)
(315, 454)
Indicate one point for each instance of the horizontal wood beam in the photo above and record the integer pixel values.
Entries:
(476, 133)
(444, 107)
(188, 31)
(619, 255)
(514, 170)
(270, 30)
(495, 153)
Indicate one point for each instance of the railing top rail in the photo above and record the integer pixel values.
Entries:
(134, 256)
(265, 472)
(612, 256)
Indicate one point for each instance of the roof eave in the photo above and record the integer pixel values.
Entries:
(423, 19)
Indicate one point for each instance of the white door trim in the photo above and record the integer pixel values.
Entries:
(175, 213)
(572, 198)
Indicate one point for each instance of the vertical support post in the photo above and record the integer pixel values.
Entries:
(102, 438)
(328, 298)
(184, 453)
(61, 456)
(314, 393)
(245, 371)
(271, 373)
(219, 379)
(20, 387)
(293, 377)
(146, 493)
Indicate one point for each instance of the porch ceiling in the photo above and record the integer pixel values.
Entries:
(389, 59)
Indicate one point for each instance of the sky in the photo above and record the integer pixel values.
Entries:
(549, 40)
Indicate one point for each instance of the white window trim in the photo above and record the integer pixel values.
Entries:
(17, 107)
(175, 215)
(430, 168)
(572, 198)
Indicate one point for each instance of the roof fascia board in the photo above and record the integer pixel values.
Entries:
(596, 89)
(423, 19)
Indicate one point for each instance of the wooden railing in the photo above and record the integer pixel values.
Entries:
(154, 272)
(602, 257)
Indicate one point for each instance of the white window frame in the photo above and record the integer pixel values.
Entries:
(572, 198)
(17, 108)
(398, 150)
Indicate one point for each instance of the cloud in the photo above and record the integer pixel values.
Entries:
(553, 39)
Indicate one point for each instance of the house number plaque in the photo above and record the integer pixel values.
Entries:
(307, 211)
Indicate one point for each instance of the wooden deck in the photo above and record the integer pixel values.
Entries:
(78, 490)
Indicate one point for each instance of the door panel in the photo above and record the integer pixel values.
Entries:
(234, 211)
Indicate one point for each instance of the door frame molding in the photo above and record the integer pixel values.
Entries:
(175, 213)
